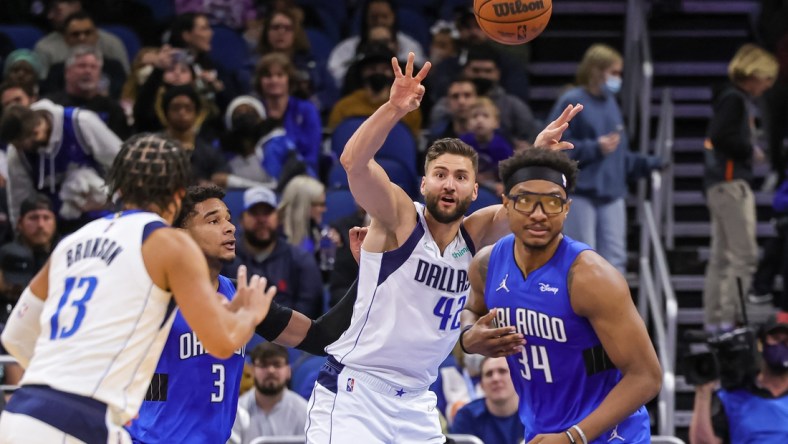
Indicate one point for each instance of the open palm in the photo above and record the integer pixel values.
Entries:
(407, 90)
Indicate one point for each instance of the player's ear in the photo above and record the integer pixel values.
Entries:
(567, 205)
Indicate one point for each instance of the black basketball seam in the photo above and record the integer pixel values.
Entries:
(514, 23)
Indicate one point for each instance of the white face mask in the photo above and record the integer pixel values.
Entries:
(613, 84)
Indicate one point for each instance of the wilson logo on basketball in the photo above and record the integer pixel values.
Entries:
(504, 9)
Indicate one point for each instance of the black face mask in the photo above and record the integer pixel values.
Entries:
(376, 82)
(483, 86)
(247, 126)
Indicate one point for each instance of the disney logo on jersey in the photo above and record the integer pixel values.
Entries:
(547, 288)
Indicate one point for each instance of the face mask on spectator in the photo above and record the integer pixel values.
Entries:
(776, 357)
(377, 82)
(613, 84)
(483, 86)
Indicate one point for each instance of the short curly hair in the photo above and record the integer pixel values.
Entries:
(149, 170)
(543, 157)
(195, 195)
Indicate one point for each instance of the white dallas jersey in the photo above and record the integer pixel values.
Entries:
(406, 318)
(104, 322)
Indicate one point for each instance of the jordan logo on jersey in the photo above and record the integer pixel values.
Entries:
(614, 435)
(502, 285)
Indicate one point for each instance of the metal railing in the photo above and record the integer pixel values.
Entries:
(657, 297)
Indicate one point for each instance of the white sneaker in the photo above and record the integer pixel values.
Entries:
(758, 299)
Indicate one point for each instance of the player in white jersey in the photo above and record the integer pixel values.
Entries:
(91, 326)
(413, 283)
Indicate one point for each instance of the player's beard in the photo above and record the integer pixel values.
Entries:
(269, 390)
(443, 217)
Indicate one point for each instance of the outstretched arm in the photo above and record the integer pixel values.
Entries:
(368, 182)
(489, 224)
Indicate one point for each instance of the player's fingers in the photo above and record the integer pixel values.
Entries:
(575, 110)
(501, 331)
(241, 277)
(423, 71)
(409, 65)
(254, 283)
(420, 91)
(395, 67)
(489, 317)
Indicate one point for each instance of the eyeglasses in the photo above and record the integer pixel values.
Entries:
(275, 364)
(78, 33)
(281, 27)
(526, 202)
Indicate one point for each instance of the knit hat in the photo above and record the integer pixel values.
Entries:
(24, 55)
(252, 101)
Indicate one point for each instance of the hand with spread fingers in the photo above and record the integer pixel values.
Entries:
(550, 137)
(486, 339)
(407, 90)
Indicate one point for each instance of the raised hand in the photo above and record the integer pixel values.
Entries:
(407, 90)
(550, 137)
(486, 339)
(357, 236)
(252, 296)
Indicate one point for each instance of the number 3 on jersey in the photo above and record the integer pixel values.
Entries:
(89, 285)
(539, 361)
(443, 310)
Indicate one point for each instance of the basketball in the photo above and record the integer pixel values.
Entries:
(512, 22)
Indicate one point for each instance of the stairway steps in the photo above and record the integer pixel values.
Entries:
(703, 229)
(691, 69)
(590, 8)
(693, 198)
(719, 7)
(695, 170)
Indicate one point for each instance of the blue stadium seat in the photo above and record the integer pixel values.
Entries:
(23, 36)
(305, 373)
(485, 198)
(228, 49)
(162, 10)
(337, 177)
(400, 175)
(343, 132)
(234, 199)
(126, 35)
(415, 25)
(339, 203)
(399, 145)
(321, 43)
(332, 16)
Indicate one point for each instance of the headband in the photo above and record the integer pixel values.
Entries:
(535, 173)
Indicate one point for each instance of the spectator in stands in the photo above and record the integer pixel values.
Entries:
(36, 237)
(757, 411)
(141, 69)
(12, 93)
(494, 418)
(444, 44)
(373, 13)
(301, 212)
(53, 48)
(487, 141)
(377, 36)
(53, 150)
(192, 33)
(730, 153)
(482, 67)
(459, 98)
(299, 117)
(282, 32)
(182, 112)
(83, 89)
(606, 162)
(773, 27)
(24, 67)
(274, 409)
(234, 14)
(374, 67)
(260, 152)
(80, 30)
(512, 59)
(264, 252)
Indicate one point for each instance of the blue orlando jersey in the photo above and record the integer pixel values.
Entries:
(193, 396)
(563, 373)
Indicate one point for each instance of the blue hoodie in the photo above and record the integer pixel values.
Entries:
(603, 177)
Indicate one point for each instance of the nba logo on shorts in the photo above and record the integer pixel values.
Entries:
(521, 32)
(350, 383)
